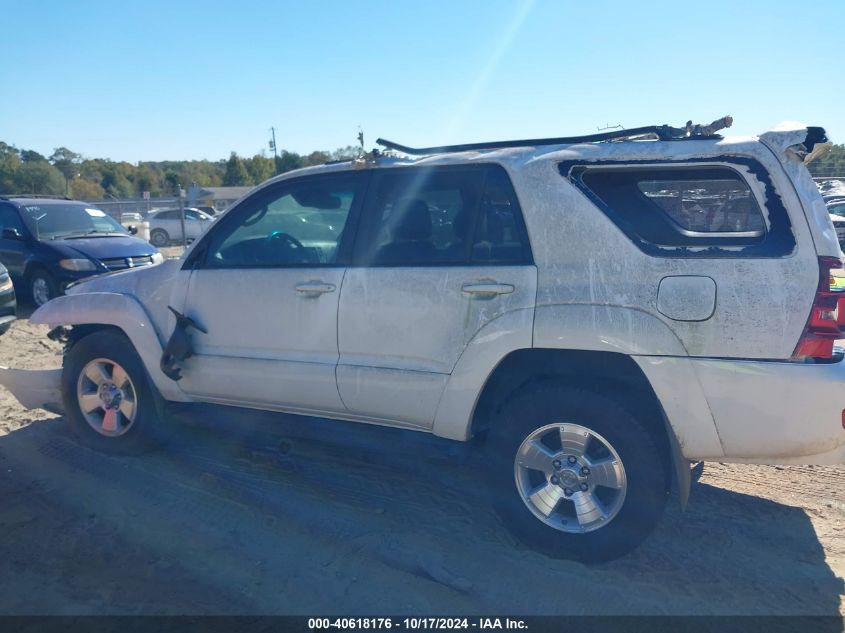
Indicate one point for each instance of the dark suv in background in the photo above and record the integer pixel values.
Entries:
(47, 244)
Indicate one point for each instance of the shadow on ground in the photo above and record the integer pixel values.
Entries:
(249, 513)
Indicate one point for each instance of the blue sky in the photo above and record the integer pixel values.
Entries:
(164, 79)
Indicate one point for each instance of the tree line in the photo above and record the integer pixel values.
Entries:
(831, 164)
(65, 172)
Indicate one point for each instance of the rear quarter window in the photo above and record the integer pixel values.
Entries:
(690, 210)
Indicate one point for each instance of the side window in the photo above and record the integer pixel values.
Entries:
(718, 204)
(9, 218)
(295, 223)
(500, 235)
(705, 211)
(440, 216)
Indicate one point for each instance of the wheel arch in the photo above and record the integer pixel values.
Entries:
(31, 266)
(90, 312)
(610, 374)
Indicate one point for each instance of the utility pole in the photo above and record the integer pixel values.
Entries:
(275, 153)
(182, 216)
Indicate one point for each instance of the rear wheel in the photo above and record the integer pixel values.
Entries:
(159, 237)
(108, 399)
(573, 474)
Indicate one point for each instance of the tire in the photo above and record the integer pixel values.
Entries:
(132, 429)
(619, 450)
(42, 287)
(159, 237)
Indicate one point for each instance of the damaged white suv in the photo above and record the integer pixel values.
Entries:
(599, 311)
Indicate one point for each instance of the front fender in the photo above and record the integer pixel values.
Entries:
(122, 311)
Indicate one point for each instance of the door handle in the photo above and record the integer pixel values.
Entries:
(314, 288)
(487, 289)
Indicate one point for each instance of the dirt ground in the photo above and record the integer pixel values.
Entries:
(277, 515)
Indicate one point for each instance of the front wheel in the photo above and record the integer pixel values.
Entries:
(42, 287)
(107, 397)
(573, 474)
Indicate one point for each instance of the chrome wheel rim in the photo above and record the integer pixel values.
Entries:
(159, 238)
(40, 291)
(107, 398)
(570, 477)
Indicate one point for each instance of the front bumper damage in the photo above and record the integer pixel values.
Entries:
(34, 388)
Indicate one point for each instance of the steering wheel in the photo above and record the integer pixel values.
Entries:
(287, 238)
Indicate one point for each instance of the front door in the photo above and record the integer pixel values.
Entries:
(265, 284)
(441, 252)
(13, 250)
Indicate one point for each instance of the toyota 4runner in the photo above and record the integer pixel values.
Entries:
(597, 311)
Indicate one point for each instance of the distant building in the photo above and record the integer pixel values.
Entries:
(218, 197)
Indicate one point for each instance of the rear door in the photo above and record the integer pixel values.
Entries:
(195, 224)
(168, 221)
(440, 253)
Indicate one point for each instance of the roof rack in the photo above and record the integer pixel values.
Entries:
(660, 132)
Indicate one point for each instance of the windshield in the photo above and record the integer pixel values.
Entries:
(51, 221)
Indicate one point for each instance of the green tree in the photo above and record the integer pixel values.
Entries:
(288, 161)
(30, 156)
(10, 163)
(84, 189)
(260, 168)
(346, 153)
(236, 174)
(39, 177)
(316, 158)
(831, 164)
(172, 180)
(116, 180)
(67, 162)
(146, 178)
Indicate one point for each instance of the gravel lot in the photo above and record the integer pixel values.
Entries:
(278, 515)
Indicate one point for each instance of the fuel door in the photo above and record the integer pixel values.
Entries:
(686, 297)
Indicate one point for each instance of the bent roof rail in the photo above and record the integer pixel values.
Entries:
(661, 132)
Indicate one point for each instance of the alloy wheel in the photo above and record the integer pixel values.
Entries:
(107, 398)
(569, 477)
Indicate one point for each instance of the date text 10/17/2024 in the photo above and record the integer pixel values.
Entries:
(417, 623)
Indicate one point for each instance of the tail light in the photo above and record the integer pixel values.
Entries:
(827, 316)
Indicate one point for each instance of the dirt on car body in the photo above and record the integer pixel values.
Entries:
(259, 514)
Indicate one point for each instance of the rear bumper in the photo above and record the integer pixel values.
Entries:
(776, 412)
(34, 389)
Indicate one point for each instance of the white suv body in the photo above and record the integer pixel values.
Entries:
(676, 277)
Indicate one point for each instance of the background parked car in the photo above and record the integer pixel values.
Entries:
(8, 304)
(131, 218)
(47, 244)
(836, 207)
(166, 225)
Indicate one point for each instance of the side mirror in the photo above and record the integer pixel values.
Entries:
(133, 230)
(12, 234)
